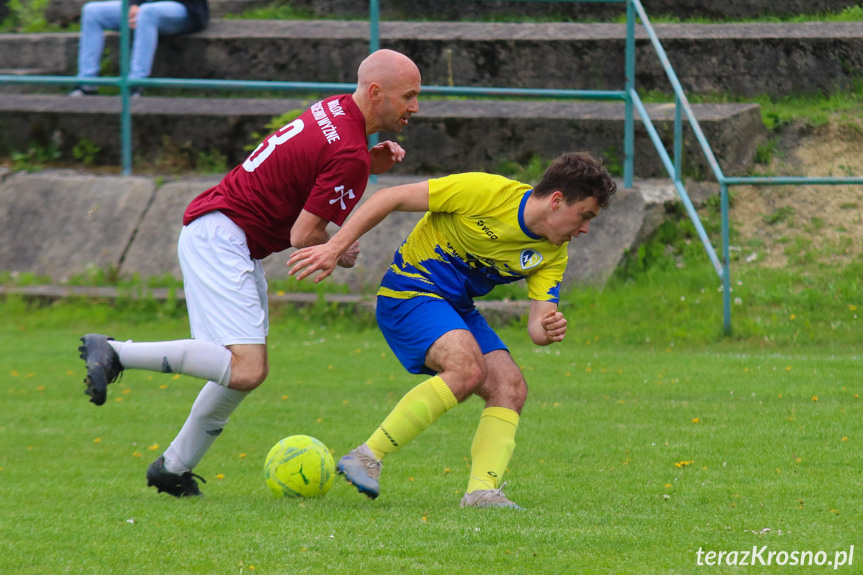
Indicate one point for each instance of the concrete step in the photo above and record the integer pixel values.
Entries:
(446, 136)
(62, 223)
(742, 59)
(69, 10)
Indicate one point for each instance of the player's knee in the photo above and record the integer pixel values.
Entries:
(249, 377)
(148, 12)
(518, 393)
(474, 374)
(88, 11)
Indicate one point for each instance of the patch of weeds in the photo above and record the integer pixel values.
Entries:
(783, 214)
(95, 276)
(842, 246)
(800, 251)
(27, 16)
(849, 206)
(211, 162)
(35, 157)
(22, 278)
(175, 157)
(674, 244)
(815, 224)
(529, 172)
(613, 162)
(278, 10)
(282, 286)
(765, 153)
(86, 152)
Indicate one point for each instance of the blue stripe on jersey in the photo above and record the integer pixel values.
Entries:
(521, 223)
(454, 279)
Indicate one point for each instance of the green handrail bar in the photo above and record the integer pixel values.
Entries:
(125, 84)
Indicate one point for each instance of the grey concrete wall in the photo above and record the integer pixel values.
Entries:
(745, 59)
(60, 224)
(445, 137)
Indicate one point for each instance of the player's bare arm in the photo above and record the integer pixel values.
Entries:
(545, 324)
(385, 155)
(311, 230)
(322, 258)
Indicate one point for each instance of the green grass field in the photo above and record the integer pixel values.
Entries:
(634, 452)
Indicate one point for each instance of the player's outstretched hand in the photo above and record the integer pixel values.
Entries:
(320, 258)
(554, 325)
(385, 155)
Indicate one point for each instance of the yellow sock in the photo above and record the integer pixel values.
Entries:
(492, 447)
(418, 409)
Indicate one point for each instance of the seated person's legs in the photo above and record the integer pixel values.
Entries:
(96, 17)
(165, 18)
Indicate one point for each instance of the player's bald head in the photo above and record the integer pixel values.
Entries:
(388, 84)
(385, 68)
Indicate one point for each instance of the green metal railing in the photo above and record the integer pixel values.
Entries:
(682, 106)
(124, 83)
(632, 103)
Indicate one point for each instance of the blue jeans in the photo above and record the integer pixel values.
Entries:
(154, 18)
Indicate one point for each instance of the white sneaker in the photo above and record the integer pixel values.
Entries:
(81, 91)
(488, 498)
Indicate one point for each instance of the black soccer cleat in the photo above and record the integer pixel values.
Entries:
(177, 485)
(103, 365)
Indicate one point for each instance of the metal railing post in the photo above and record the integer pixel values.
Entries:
(726, 261)
(374, 25)
(125, 111)
(678, 140)
(374, 45)
(629, 120)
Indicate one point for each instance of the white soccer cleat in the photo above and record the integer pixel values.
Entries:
(488, 498)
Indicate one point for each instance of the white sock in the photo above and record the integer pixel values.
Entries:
(202, 359)
(209, 415)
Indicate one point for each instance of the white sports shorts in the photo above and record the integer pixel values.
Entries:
(226, 291)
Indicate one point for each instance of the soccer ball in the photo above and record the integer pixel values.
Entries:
(299, 466)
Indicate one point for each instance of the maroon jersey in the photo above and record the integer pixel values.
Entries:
(319, 162)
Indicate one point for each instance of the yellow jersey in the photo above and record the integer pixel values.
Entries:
(473, 238)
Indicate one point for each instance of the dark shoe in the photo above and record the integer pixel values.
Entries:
(83, 91)
(103, 365)
(136, 92)
(177, 485)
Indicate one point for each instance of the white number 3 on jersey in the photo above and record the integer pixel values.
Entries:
(287, 132)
